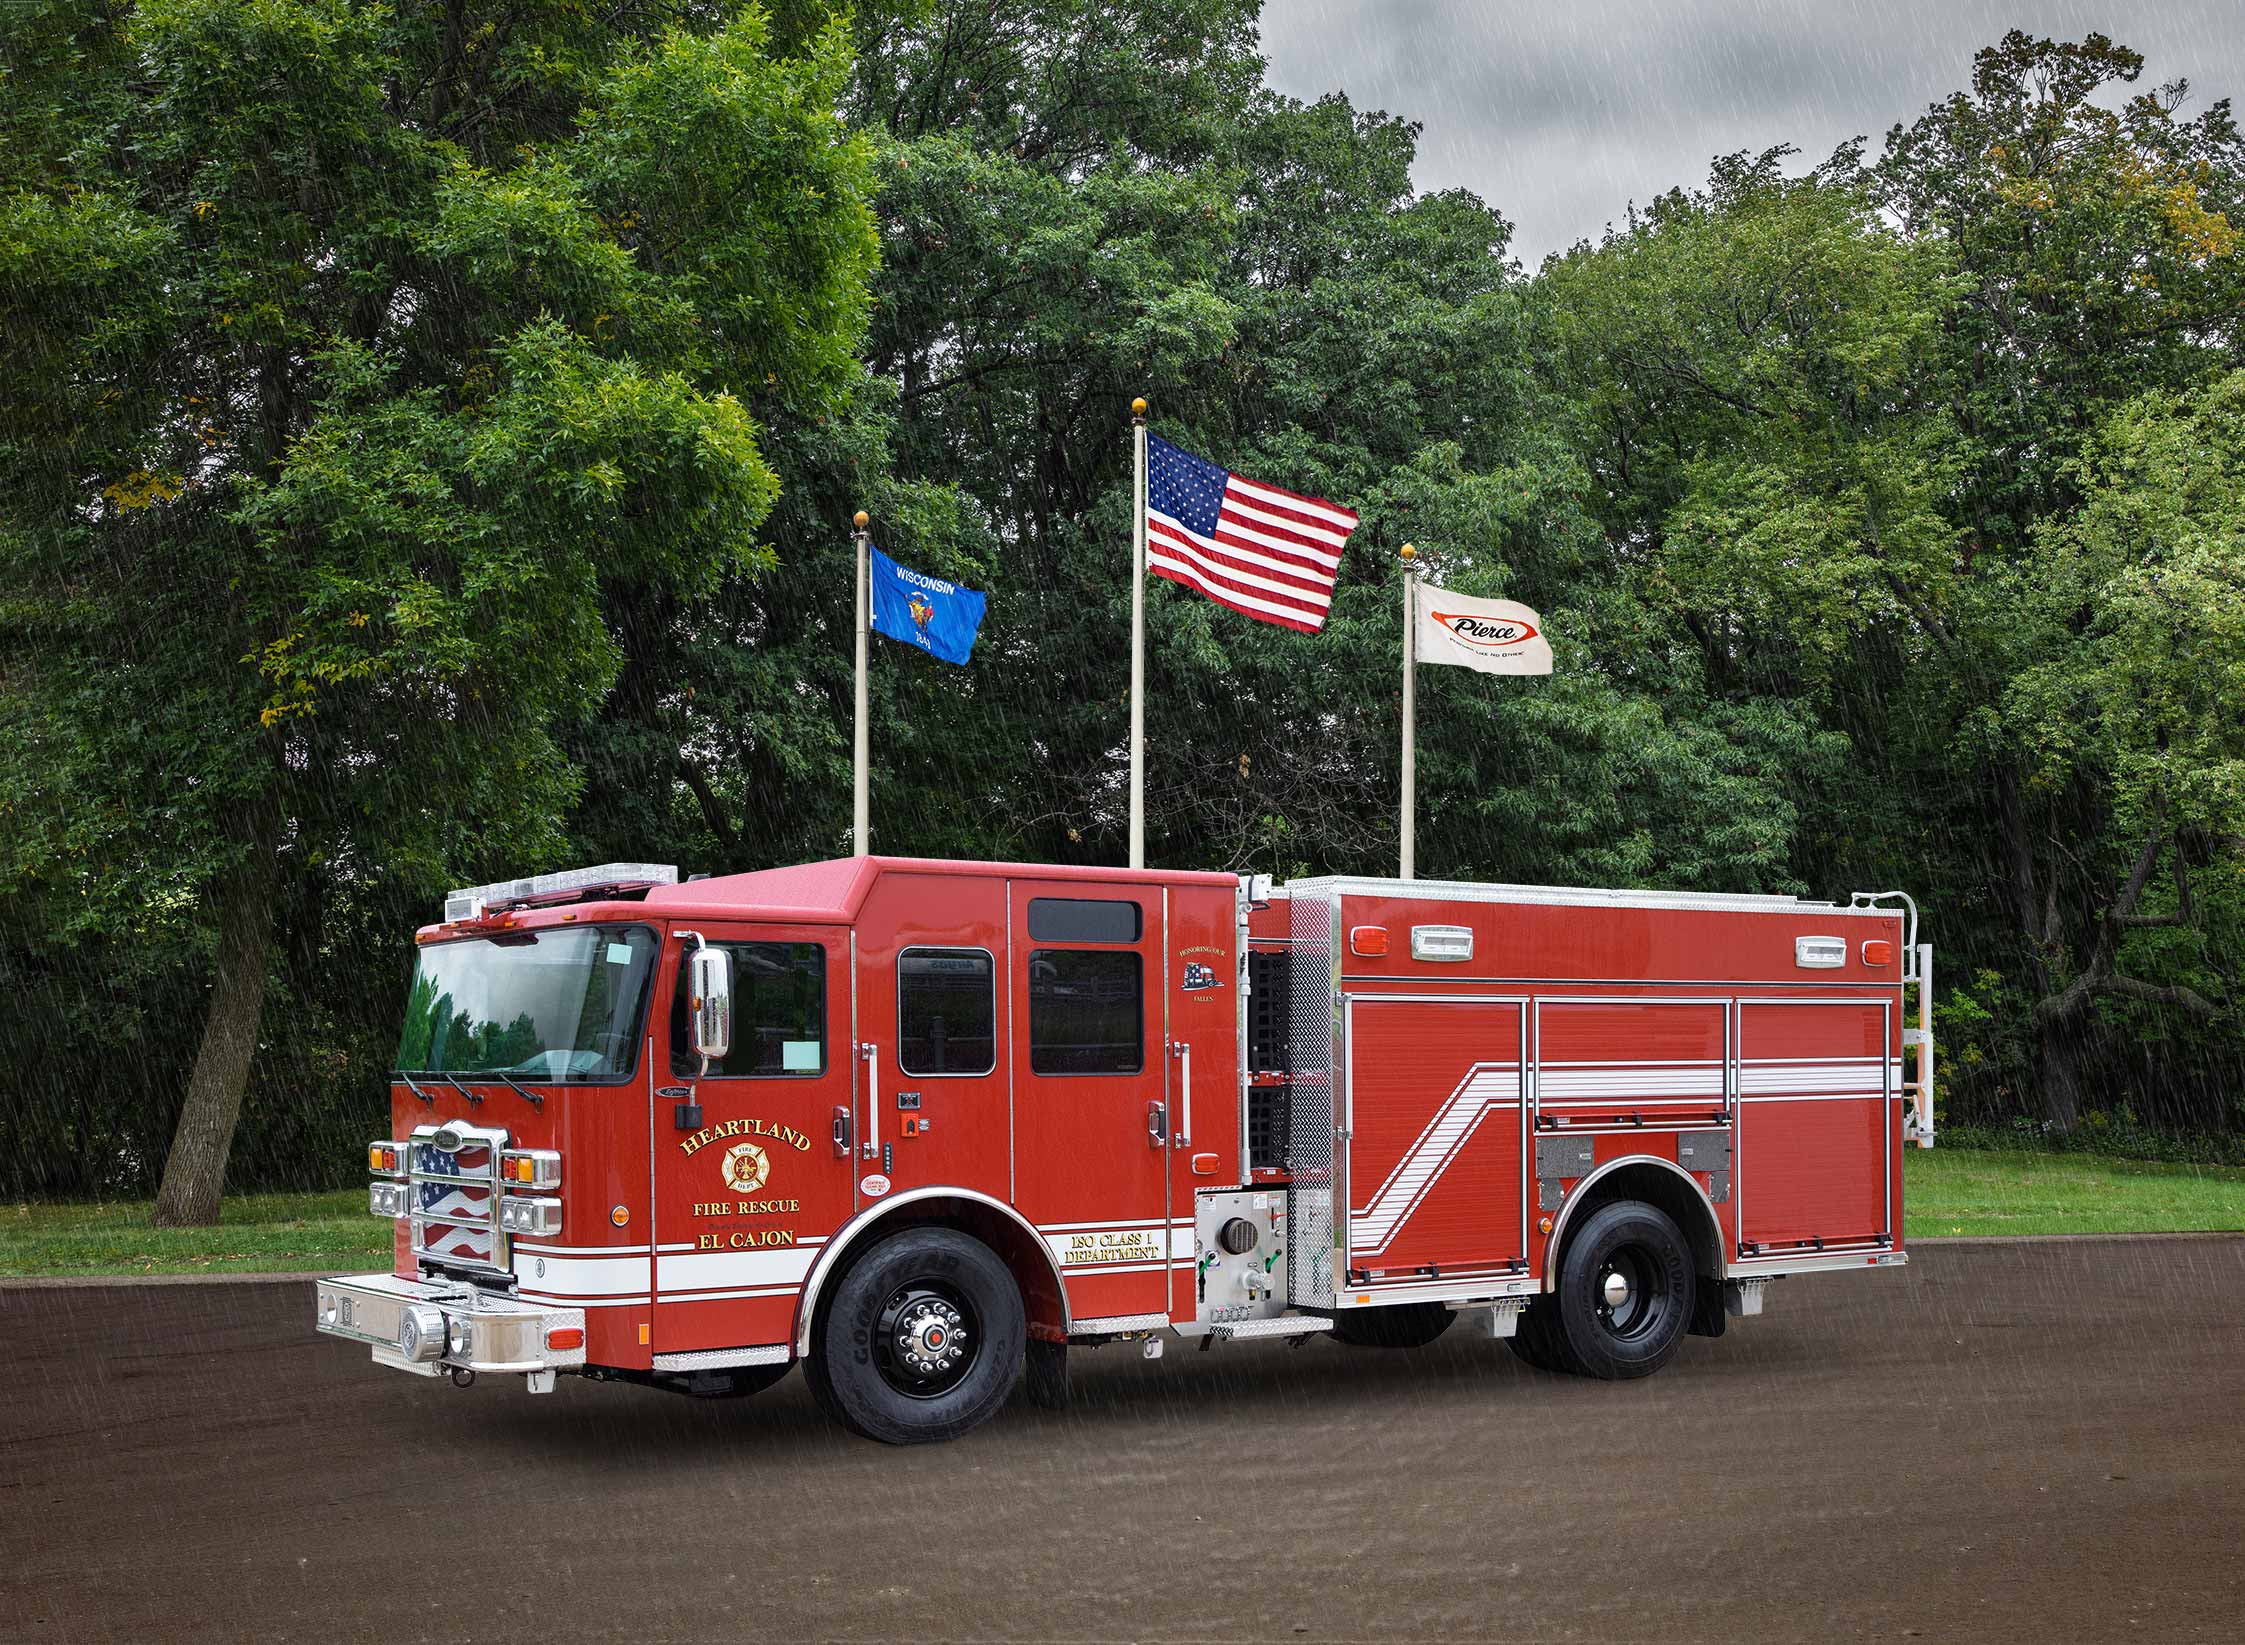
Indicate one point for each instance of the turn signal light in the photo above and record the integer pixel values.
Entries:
(1368, 941)
(385, 1159)
(1878, 951)
(566, 1336)
(530, 1168)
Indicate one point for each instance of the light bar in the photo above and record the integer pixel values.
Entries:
(473, 901)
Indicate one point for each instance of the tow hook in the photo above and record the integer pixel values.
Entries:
(462, 1377)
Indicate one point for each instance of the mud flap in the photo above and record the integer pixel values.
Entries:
(1045, 1375)
(1708, 1313)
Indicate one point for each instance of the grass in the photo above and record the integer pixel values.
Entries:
(1952, 1191)
(1948, 1192)
(256, 1234)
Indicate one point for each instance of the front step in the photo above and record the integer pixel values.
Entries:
(1285, 1325)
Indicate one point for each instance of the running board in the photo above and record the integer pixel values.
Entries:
(1285, 1325)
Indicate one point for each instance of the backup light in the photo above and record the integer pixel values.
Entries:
(1441, 942)
(472, 902)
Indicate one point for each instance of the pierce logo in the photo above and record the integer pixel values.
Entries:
(1483, 634)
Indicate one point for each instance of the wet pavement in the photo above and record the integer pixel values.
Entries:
(2039, 1441)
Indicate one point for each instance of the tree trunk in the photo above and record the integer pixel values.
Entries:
(195, 1168)
(2058, 1072)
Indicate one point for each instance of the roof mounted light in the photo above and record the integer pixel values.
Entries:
(472, 902)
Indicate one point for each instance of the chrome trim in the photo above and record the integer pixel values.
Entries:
(1575, 1198)
(505, 1335)
(807, 1305)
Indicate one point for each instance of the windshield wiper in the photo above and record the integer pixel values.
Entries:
(528, 1096)
(415, 1089)
(463, 1090)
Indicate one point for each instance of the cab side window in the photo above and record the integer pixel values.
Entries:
(1087, 1011)
(946, 1011)
(779, 1013)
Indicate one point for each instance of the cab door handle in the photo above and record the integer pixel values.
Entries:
(841, 1132)
(1157, 1124)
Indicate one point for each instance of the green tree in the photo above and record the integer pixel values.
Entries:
(359, 354)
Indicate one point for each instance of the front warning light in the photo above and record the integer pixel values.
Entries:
(565, 1337)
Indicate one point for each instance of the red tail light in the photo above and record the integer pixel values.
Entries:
(1368, 941)
(1878, 952)
(567, 1336)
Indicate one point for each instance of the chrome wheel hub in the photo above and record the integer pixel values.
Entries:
(931, 1337)
(1616, 1290)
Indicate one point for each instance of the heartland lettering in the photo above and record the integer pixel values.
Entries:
(745, 1128)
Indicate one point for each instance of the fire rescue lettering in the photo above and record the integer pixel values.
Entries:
(746, 1207)
(745, 1128)
(746, 1239)
(1135, 1245)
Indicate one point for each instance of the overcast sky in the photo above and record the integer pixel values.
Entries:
(1560, 112)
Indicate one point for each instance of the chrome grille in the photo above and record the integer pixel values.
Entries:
(1309, 1096)
(452, 1189)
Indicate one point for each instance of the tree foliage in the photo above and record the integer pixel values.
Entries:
(430, 435)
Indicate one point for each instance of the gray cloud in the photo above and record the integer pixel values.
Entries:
(1560, 115)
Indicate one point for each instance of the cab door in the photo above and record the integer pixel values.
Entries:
(1094, 1119)
(745, 1197)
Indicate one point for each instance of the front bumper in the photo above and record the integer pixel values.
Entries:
(429, 1327)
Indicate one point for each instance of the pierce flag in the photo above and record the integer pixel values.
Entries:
(1493, 636)
(941, 618)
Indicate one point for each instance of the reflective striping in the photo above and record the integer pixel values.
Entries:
(583, 1276)
(1486, 1086)
(1597, 1081)
(723, 1270)
(1855, 1074)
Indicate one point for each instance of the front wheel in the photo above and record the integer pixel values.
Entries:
(923, 1340)
(1624, 1296)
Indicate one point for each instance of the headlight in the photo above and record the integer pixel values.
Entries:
(386, 1199)
(530, 1216)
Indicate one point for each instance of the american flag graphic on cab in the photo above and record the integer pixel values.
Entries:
(1269, 553)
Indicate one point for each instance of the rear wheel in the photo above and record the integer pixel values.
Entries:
(1624, 1296)
(1406, 1325)
(1537, 1339)
(923, 1340)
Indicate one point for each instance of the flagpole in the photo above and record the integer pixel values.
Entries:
(1138, 634)
(1410, 713)
(857, 785)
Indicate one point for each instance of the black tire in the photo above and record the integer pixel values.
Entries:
(923, 1339)
(1624, 1297)
(1536, 1339)
(1405, 1325)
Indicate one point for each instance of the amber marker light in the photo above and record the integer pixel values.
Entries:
(620, 1215)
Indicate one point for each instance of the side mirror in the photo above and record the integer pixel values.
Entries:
(709, 986)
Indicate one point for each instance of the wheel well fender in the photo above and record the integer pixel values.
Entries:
(996, 1224)
(1655, 1181)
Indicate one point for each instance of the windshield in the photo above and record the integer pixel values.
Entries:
(547, 1005)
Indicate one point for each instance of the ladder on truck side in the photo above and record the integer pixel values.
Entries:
(1918, 1123)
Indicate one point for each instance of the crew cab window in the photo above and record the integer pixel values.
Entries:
(779, 1013)
(946, 1011)
(1087, 1011)
(1084, 919)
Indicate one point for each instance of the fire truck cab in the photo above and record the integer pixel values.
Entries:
(921, 1125)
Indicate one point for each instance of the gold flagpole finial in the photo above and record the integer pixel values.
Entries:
(1138, 409)
(1408, 553)
(861, 519)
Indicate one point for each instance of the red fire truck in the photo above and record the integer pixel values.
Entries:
(922, 1125)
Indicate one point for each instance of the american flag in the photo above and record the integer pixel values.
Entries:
(1270, 553)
